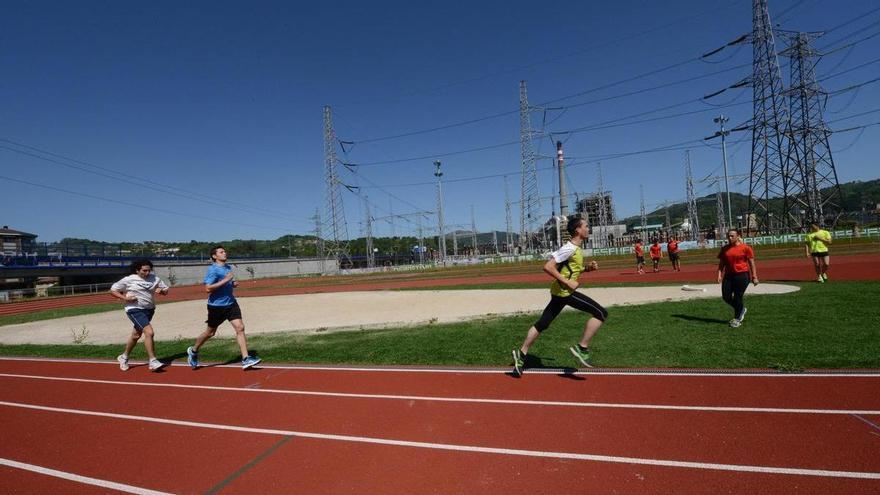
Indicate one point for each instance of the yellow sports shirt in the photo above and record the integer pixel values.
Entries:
(570, 263)
(816, 246)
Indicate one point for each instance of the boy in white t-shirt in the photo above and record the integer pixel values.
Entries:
(138, 291)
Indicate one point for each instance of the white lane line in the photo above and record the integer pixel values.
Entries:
(79, 479)
(518, 402)
(493, 371)
(468, 448)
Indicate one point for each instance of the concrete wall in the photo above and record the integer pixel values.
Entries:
(190, 273)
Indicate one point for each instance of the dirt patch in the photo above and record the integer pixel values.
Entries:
(338, 311)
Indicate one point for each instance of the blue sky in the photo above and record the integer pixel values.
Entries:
(124, 121)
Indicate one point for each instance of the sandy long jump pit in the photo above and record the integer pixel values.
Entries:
(345, 310)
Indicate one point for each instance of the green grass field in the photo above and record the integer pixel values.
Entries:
(834, 325)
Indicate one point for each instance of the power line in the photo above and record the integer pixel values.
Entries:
(117, 202)
(562, 98)
(829, 76)
(601, 125)
(126, 179)
(852, 20)
(613, 42)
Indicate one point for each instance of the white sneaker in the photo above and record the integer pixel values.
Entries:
(742, 315)
(734, 323)
(156, 365)
(123, 362)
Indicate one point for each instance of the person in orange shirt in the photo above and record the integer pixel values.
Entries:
(672, 249)
(736, 267)
(640, 257)
(656, 254)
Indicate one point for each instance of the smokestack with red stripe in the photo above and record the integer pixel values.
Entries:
(563, 197)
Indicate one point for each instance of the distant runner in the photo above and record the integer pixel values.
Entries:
(816, 245)
(565, 266)
(640, 257)
(656, 254)
(672, 249)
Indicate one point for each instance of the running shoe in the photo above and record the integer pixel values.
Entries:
(249, 362)
(156, 365)
(518, 362)
(192, 357)
(820, 280)
(742, 316)
(582, 356)
(123, 362)
(734, 323)
(825, 276)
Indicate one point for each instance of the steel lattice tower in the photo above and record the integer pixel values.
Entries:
(666, 216)
(368, 233)
(642, 211)
(603, 206)
(809, 149)
(319, 243)
(474, 232)
(421, 240)
(529, 202)
(719, 213)
(770, 185)
(337, 245)
(508, 235)
(693, 216)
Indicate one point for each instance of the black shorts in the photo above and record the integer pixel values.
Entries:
(673, 256)
(576, 300)
(820, 255)
(219, 314)
(640, 259)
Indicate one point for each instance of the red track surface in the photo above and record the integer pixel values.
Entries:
(856, 267)
(190, 459)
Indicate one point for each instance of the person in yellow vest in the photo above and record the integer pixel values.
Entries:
(565, 266)
(816, 245)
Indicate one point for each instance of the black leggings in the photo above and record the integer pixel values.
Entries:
(732, 289)
(577, 301)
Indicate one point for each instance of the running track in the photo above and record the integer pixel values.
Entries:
(372, 430)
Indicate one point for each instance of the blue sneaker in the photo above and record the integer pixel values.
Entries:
(192, 357)
(249, 362)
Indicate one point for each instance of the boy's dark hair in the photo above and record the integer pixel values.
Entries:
(639, 241)
(574, 221)
(214, 251)
(137, 264)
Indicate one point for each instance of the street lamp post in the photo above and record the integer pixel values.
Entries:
(441, 240)
(721, 119)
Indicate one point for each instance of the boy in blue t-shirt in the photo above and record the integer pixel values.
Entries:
(222, 306)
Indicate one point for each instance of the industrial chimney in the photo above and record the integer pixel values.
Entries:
(563, 197)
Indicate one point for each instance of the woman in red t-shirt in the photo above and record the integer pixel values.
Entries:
(736, 267)
(672, 249)
(640, 258)
(656, 254)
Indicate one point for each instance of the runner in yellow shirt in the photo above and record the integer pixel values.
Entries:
(565, 266)
(816, 246)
